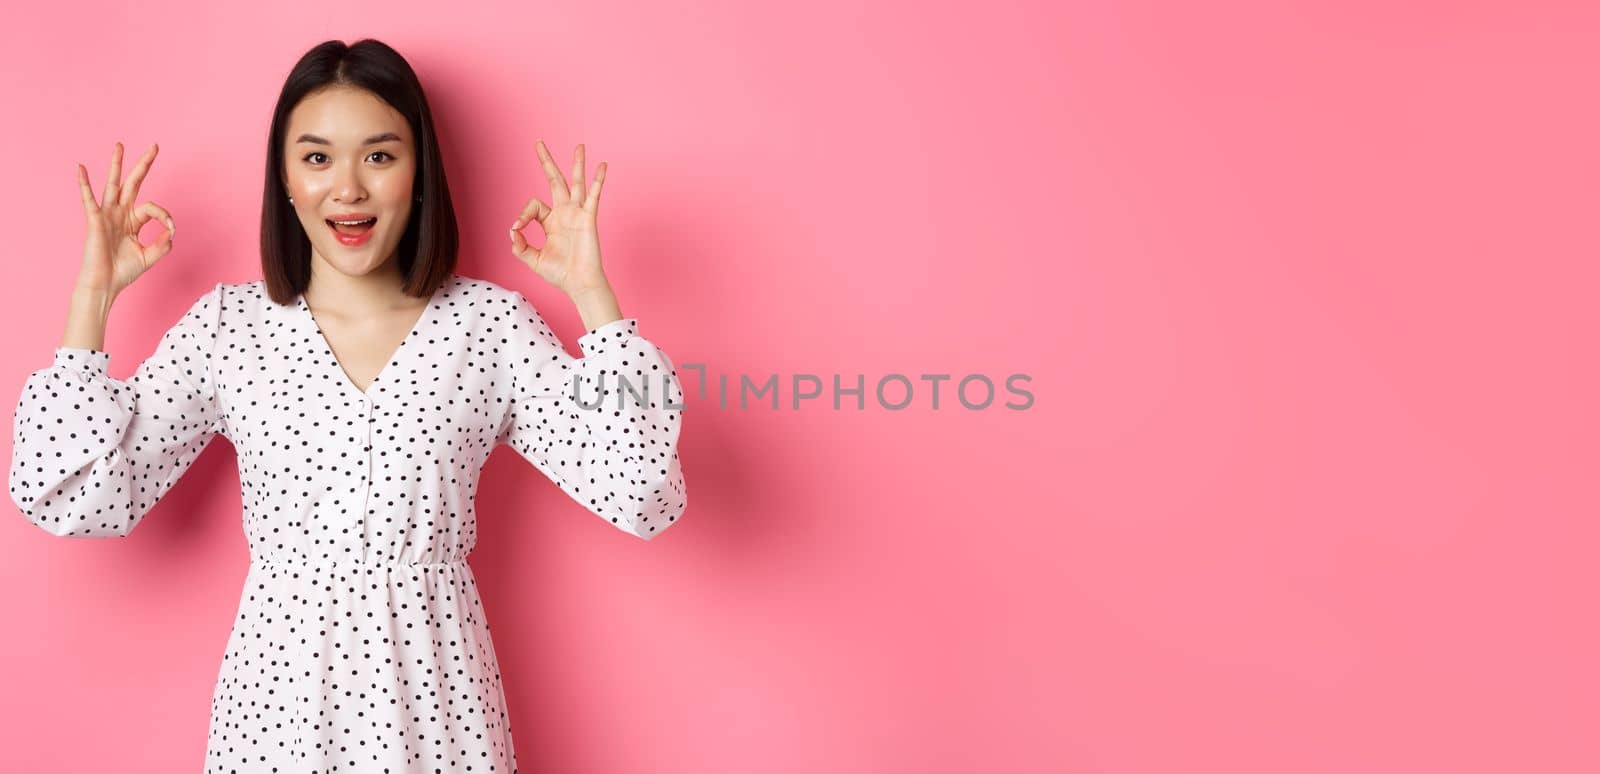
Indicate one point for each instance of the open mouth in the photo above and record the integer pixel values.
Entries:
(356, 228)
(352, 233)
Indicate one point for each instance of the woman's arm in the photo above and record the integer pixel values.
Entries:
(597, 307)
(615, 448)
(87, 314)
(90, 454)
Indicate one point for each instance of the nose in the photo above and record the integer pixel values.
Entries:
(347, 185)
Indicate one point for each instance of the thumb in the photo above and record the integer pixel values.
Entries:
(524, 252)
(155, 252)
(144, 213)
(149, 211)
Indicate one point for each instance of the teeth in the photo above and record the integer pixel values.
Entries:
(353, 222)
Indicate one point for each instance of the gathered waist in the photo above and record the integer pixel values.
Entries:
(357, 564)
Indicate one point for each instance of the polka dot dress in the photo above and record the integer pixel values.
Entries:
(361, 643)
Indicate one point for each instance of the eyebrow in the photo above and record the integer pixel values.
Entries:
(373, 140)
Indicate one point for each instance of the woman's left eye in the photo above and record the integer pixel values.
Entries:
(380, 153)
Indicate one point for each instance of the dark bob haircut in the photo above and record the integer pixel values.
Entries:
(427, 252)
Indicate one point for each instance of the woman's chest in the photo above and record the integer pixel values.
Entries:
(362, 351)
(439, 396)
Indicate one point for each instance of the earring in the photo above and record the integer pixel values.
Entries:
(291, 200)
(419, 198)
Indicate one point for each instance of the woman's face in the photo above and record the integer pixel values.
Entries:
(349, 155)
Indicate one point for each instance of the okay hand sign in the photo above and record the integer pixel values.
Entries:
(570, 257)
(113, 256)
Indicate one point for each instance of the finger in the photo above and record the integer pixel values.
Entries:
(156, 251)
(522, 250)
(90, 208)
(535, 211)
(592, 204)
(558, 184)
(579, 172)
(149, 210)
(130, 189)
(113, 177)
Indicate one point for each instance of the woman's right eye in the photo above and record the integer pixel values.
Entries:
(313, 153)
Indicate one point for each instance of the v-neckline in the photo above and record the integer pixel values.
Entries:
(394, 357)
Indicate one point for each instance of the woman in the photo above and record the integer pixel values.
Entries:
(363, 384)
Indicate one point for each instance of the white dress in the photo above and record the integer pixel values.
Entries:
(360, 643)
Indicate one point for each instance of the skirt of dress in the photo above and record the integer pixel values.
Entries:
(359, 667)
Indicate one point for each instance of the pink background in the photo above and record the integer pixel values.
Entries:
(1307, 297)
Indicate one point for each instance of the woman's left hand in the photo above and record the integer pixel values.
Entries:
(570, 257)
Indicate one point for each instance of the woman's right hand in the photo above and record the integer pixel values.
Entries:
(113, 256)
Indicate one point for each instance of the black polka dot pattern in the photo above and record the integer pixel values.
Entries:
(360, 643)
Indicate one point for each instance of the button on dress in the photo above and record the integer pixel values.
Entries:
(360, 643)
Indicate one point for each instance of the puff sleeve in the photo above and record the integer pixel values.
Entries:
(91, 455)
(613, 447)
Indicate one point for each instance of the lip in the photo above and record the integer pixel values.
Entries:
(349, 240)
